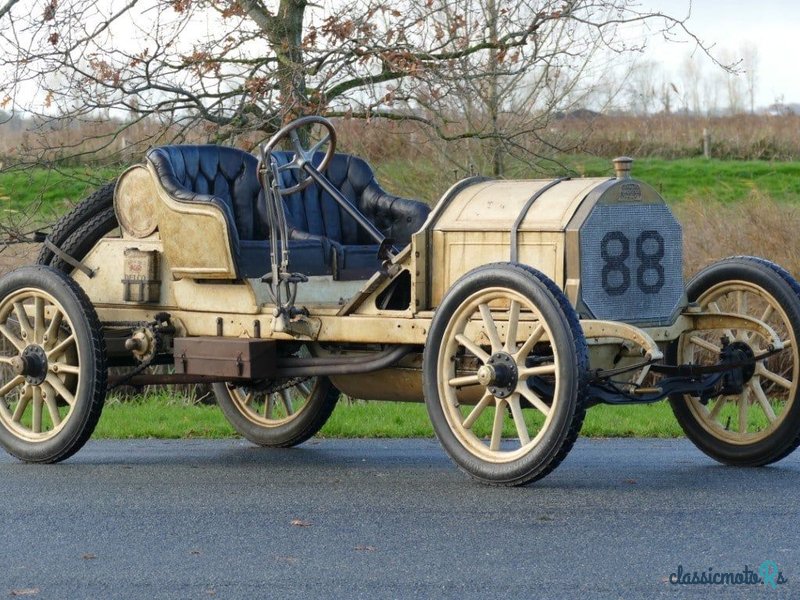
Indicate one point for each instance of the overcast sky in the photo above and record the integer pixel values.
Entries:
(772, 25)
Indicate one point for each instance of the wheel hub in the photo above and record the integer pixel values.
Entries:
(737, 352)
(32, 363)
(499, 375)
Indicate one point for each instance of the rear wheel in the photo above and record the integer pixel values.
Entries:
(761, 424)
(505, 372)
(52, 365)
(291, 414)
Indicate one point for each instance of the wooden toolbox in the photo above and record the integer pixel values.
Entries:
(225, 357)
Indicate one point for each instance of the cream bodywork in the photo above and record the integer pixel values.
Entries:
(471, 226)
(474, 228)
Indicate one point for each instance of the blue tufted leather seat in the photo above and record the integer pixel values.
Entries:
(323, 238)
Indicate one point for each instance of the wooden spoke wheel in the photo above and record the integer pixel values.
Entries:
(505, 370)
(761, 423)
(52, 365)
(282, 418)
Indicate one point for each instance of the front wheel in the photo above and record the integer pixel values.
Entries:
(760, 424)
(505, 373)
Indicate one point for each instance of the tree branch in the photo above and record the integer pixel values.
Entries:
(7, 7)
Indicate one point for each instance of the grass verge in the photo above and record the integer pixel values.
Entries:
(706, 180)
(165, 417)
(699, 179)
(56, 190)
(678, 180)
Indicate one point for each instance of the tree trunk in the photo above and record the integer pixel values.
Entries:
(285, 34)
(494, 91)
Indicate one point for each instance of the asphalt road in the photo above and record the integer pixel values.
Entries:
(388, 519)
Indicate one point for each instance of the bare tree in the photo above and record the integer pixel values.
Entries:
(691, 75)
(509, 101)
(733, 84)
(714, 84)
(750, 68)
(233, 70)
(667, 89)
(5, 8)
(642, 89)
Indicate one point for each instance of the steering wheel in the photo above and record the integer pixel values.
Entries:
(301, 155)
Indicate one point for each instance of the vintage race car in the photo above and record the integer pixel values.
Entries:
(510, 308)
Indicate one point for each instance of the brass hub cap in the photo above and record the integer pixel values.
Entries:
(486, 375)
(32, 364)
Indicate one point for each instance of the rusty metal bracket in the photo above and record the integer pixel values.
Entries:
(304, 327)
(68, 259)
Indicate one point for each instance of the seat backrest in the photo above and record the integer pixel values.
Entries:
(314, 210)
(228, 174)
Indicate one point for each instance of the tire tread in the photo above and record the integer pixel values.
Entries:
(97, 202)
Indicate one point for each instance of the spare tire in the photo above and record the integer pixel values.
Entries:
(87, 210)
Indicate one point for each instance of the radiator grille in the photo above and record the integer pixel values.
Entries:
(632, 263)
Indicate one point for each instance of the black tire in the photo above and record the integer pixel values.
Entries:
(447, 354)
(101, 200)
(278, 429)
(73, 370)
(84, 238)
(746, 285)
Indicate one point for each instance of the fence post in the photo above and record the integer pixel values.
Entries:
(706, 143)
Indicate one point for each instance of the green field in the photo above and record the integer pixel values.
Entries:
(55, 191)
(161, 416)
(676, 180)
(714, 180)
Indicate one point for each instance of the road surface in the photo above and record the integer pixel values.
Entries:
(388, 519)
